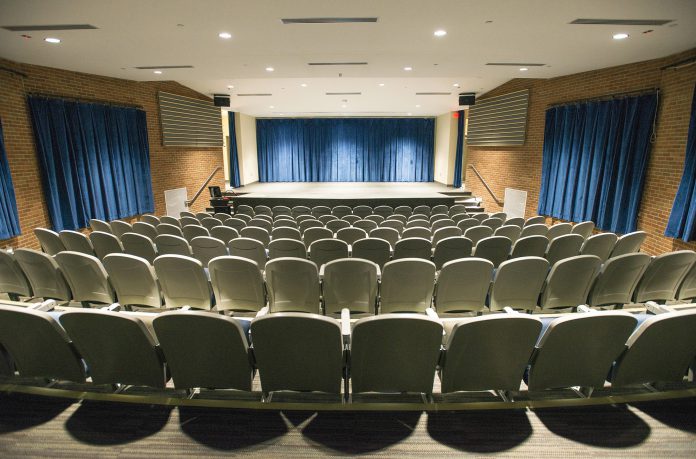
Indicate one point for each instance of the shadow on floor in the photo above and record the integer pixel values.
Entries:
(480, 431)
(678, 414)
(604, 426)
(360, 432)
(107, 423)
(23, 411)
(230, 430)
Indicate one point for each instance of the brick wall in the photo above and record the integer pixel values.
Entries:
(520, 167)
(171, 167)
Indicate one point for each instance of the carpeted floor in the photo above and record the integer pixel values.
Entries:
(40, 426)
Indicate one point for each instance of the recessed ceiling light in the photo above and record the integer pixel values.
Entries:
(304, 85)
(271, 106)
(417, 105)
(408, 69)
(230, 87)
(456, 85)
(523, 69)
(440, 33)
(620, 36)
(158, 72)
(282, 114)
(52, 40)
(269, 69)
(409, 113)
(381, 84)
(225, 35)
(343, 106)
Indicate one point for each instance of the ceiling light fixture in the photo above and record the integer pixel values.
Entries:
(523, 69)
(158, 72)
(456, 85)
(304, 85)
(408, 69)
(409, 113)
(52, 40)
(417, 105)
(620, 36)
(271, 106)
(230, 87)
(381, 84)
(269, 69)
(440, 33)
(225, 35)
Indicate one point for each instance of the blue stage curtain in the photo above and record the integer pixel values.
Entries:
(95, 161)
(345, 149)
(9, 221)
(682, 219)
(595, 156)
(459, 157)
(235, 182)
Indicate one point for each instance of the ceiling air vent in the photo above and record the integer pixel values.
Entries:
(326, 20)
(343, 93)
(433, 93)
(336, 63)
(516, 64)
(254, 95)
(155, 67)
(36, 28)
(625, 22)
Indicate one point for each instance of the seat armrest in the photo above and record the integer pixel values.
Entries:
(113, 308)
(262, 312)
(321, 271)
(585, 309)
(45, 306)
(509, 310)
(430, 312)
(345, 322)
(654, 308)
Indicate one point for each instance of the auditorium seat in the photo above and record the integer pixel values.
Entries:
(584, 229)
(244, 209)
(373, 249)
(327, 218)
(134, 280)
(246, 218)
(617, 280)
(250, 249)
(480, 217)
(284, 223)
(224, 233)
(280, 248)
(417, 232)
(99, 225)
(139, 245)
(201, 215)
(206, 248)
(398, 217)
(281, 210)
(456, 209)
(629, 243)
(422, 210)
(493, 248)
(118, 349)
(365, 225)
(569, 282)
(44, 275)
(76, 242)
(223, 217)
(341, 211)
(477, 359)
(49, 240)
(13, 281)
(600, 245)
(362, 211)
(169, 230)
(350, 235)
(151, 219)
(467, 223)
(191, 231)
(378, 346)
(511, 232)
(537, 220)
(235, 223)
(258, 233)
(260, 217)
(300, 218)
(462, 286)
(263, 210)
(119, 228)
(578, 350)
(406, 211)
(298, 352)
(286, 232)
(394, 224)
(518, 283)
(535, 230)
(375, 218)
(451, 248)
(562, 247)
(176, 222)
(105, 243)
(390, 235)
(204, 350)
(293, 285)
(417, 223)
(86, 277)
(145, 229)
(436, 218)
(476, 233)
(557, 230)
(185, 221)
(492, 223)
(349, 283)
(413, 247)
(318, 211)
(335, 225)
(442, 223)
(314, 234)
(38, 345)
(183, 281)
(168, 244)
(663, 276)
(187, 214)
(351, 219)
(237, 283)
(456, 218)
(530, 246)
(210, 223)
(298, 211)
(407, 285)
(500, 215)
(306, 224)
(383, 211)
(660, 350)
(445, 232)
(325, 250)
(258, 222)
(687, 289)
(516, 221)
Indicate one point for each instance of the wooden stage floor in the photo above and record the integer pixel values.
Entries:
(348, 193)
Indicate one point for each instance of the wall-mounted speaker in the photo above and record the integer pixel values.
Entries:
(467, 98)
(221, 100)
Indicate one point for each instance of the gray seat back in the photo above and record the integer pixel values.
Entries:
(285, 232)
(318, 211)
(511, 232)
(663, 276)
(518, 283)
(569, 282)
(383, 211)
(237, 283)
(444, 233)
(12, 278)
(44, 275)
(536, 220)
(562, 247)
(362, 211)
(250, 249)
(76, 242)
(393, 224)
(314, 234)
(175, 221)
(151, 219)
(293, 285)
(99, 225)
(134, 280)
(365, 225)
(373, 249)
(118, 228)
(49, 240)
(210, 223)
(236, 223)
(336, 225)
(169, 244)
(169, 229)
(258, 233)
(417, 232)
(297, 211)
(584, 229)
(534, 230)
(183, 281)
(279, 248)
(185, 220)
(617, 280)
(191, 231)
(414, 247)
(206, 248)
(244, 209)
(204, 350)
(350, 235)
(493, 223)
(224, 233)
(350, 283)
(687, 289)
(139, 245)
(463, 285)
(629, 243)
(476, 233)
(326, 250)
(451, 248)
(391, 235)
(144, 228)
(86, 277)
(467, 223)
(417, 223)
(559, 229)
(105, 243)
(515, 221)
(494, 248)
(407, 285)
(530, 246)
(599, 245)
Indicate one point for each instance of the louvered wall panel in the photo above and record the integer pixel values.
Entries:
(500, 120)
(188, 122)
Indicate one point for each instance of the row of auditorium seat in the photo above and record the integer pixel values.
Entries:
(392, 353)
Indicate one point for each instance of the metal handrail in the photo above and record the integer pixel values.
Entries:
(207, 181)
(495, 198)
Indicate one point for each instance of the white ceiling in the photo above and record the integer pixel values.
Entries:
(147, 33)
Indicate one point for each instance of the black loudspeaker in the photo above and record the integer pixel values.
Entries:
(221, 100)
(467, 98)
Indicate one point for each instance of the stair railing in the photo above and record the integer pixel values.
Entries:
(200, 190)
(498, 201)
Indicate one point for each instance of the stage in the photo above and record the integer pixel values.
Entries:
(346, 193)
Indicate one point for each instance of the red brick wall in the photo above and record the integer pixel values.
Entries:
(171, 167)
(520, 167)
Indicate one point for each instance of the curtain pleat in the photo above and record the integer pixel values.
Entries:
(95, 161)
(459, 154)
(595, 156)
(345, 150)
(9, 220)
(235, 181)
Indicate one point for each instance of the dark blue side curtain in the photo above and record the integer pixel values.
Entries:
(457, 182)
(594, 160)
(682, 219)
(9, 221)
(235, 182)
(346, 149)
(95, 161)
